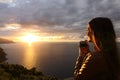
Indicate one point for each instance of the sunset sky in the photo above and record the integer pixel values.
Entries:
(54, 19)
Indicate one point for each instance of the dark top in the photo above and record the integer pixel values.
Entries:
(92, 67)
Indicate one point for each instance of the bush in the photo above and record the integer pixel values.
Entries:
(18, 72)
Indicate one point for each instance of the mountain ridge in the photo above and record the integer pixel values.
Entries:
(3, 41)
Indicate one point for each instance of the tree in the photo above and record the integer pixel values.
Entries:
(2, 55)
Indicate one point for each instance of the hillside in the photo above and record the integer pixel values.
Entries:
(2, 41)
(18, 72)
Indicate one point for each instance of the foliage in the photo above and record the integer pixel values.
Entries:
(2, 55)
(18, 72)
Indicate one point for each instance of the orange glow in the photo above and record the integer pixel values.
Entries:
(29, 59)
(29, 38)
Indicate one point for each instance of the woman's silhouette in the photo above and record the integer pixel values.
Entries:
(103, 63)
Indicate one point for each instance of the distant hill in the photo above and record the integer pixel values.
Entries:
(2, 41)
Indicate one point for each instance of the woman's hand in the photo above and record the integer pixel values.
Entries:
(84, 51)
(83, 48)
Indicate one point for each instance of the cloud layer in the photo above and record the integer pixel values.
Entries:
(57, 16)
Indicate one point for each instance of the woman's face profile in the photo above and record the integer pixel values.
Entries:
(89, 33)
(91, 37)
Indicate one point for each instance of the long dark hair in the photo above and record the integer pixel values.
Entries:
(106, 40)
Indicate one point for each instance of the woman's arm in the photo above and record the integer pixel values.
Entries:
(83, 50)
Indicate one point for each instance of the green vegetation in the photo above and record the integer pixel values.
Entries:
(18, 72)
(2, 55)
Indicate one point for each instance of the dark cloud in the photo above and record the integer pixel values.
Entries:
(60, 12)
(70, 16)
(3, 6)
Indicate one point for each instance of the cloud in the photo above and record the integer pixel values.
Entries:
(2, 6)
(57, 16)
(64, 12)
(6, 1)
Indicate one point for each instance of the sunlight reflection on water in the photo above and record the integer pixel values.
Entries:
(56, 59)
(29, 59)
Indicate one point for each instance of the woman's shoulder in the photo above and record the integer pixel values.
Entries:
(97, 55)
(98, 58)
(98, 62)
(96, 65)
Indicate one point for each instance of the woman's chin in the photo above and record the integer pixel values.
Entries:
(89, 40)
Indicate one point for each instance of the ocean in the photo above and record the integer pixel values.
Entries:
(52, 58)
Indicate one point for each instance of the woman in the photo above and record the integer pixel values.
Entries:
(103, 63)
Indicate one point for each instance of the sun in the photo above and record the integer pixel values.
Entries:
(29, 38)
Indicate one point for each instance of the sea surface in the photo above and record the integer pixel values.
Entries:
(56, 59)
